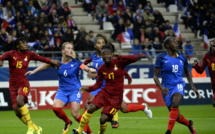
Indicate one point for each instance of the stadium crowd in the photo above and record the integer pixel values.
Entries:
(48, 25)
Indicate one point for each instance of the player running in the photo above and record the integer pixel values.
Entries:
(69, 84)
(96, 58)
(208, 60)
(18, 83)
(171, 64)
(111, 96)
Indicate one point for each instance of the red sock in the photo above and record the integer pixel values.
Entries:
(61, 114)
(86, 128)
(173, 115)
(134, 108)
(183, 120)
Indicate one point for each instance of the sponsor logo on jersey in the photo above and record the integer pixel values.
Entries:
(166, 61)
(115, 67)
(25, 90)
(26, 58)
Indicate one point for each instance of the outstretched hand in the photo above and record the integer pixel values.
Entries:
(92, 75)
(129, 81)
(30, 73)
(196, 91)
(195, 63)
(83, 89)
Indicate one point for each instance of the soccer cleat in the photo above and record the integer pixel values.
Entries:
(39, 131)
(147, 111)
(30, 131)
(66, 128)
(75, 131)
(192, 130)
(114, 124)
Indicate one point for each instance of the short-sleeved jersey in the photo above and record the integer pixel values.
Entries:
(18, 64)
(113, 74)
(68, 75)
(208, 60)
(171, 68)
(97, 62)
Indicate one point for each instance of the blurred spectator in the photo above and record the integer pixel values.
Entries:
(161, 27)
(148, 25)
(68, 37)
(136, 47)
(128, 25)
(34, 35)
(1, 11)
(3, 35)
(148, 34)
(188, 49)
(127, 15)
(14, 35)
(132, 4)
(43, 17)
(80, 37)
(28, 25)
(87, 6)
(7, 8)
(136, 29)
(148, 3)
(180, 44)
(44, 9)
(101, 12)
(167, 25)
(91, 34)
(59, 29)
(57, 47)
(19, 16)
(158, 34)
(120, 6)
(148, 49)
(158, 18)
(21, 8)
(53, 7)
(9, 44)
(186, 16)
(62, 21)
(139, 15)
(87, 44)
(116, 17)
(26, 32)
(148, 15)
(140, 9)
(32, 9)
(71, 23)
(53, 17)
(44, 44)
(64, 10)
(111, 9)
(157, 45)
(119, 28)
(10, 19)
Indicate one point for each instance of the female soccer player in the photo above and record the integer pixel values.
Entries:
(96, 58)
(171, 64)
(69, 84)
(208, 60)
(18, 83)
(111, 96)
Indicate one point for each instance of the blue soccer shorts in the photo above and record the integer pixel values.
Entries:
(179, 88)
(95, 92)
(68, 96)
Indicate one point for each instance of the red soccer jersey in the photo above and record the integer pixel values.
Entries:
(113, 75)
(208, 60)
(18, 65)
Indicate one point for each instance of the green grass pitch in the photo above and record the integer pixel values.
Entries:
(203, 117)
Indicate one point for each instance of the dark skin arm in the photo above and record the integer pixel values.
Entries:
(157, 81)
(189, 78)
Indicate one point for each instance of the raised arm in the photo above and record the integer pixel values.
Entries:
(198, 68)
(190, 80)
(128, 77)
(126, 59)
(40, 68)
(87, 61)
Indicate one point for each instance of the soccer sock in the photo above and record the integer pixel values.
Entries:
(61, 114)
(23, 120)
(26, 115)
(173, 115)
(115, 117)
(86, 128)
(102, 128)
(134, 108)
(183, 120)
(84, 120)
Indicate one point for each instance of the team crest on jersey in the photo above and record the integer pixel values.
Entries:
(72, 65)
(181, 62)
(14, 58)
(26, 58)
(115, 67)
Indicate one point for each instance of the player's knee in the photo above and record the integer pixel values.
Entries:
(103, 120)
(75, 114)
(124, 110)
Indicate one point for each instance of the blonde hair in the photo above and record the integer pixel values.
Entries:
(64, 45)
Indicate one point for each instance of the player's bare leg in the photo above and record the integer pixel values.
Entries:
(134, 107)
(85, 118)
(103, 123)
(25, 113)
(19, 114)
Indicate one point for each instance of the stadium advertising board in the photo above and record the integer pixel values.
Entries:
(43, 97)
(5, 102)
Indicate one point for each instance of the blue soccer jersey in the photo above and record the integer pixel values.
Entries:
(171, 73)
(69, 82)
(171, 68)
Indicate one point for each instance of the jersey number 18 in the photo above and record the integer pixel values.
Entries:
(174, 68)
